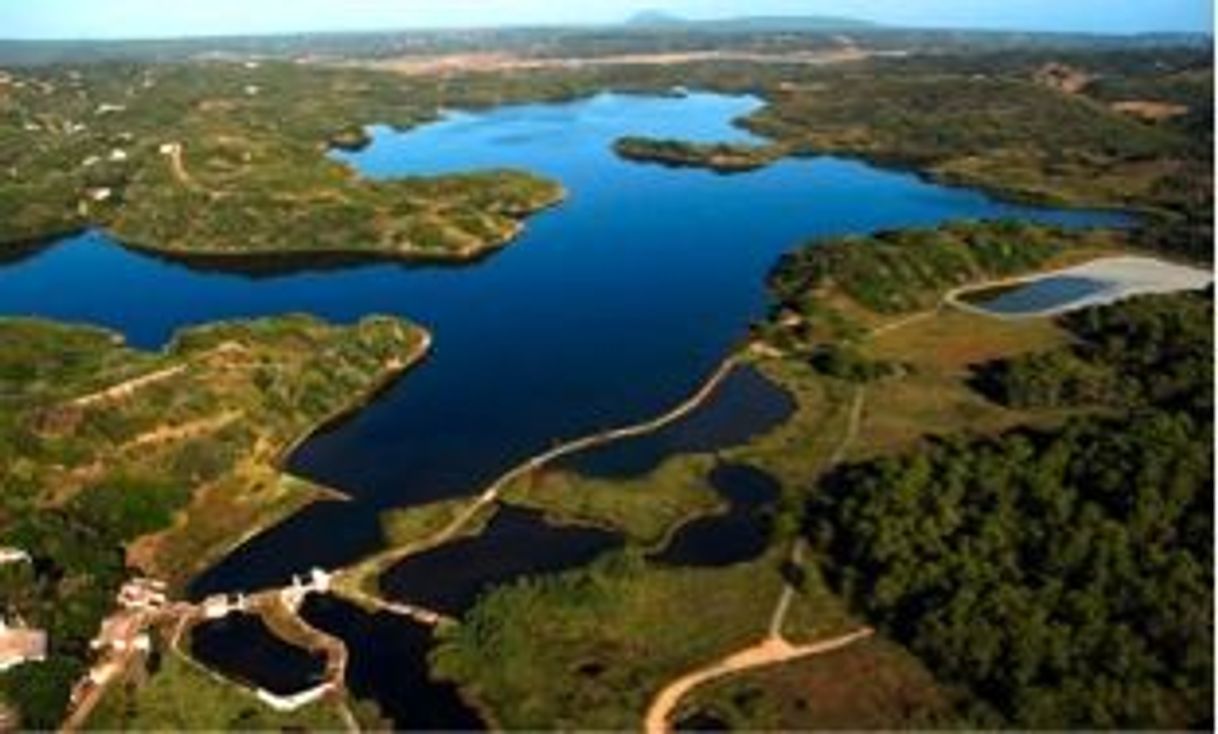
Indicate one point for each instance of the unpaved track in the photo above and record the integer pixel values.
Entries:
(775, 648)
(127, 388)
(771, 651)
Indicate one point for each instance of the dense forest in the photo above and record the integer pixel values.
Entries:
(1152, 352)
(1064, 578)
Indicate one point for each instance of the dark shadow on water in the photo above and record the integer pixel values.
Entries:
(744, 405)
(16, 251)
(242, 647)
(516, 543)
(388, 665)
(280, 265)
(740, 535)
(332, 534)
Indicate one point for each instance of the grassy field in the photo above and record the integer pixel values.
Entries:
(176, 696)
(412, 525)
(647, 509)
(516, 643)
(665, 620)
(871, 685)
(932, 395)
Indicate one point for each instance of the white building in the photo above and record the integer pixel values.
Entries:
(20, 645)
(13, 555)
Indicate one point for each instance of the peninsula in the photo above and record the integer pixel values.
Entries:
(112, 458)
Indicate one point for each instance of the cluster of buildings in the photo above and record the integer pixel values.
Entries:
(19, 643)
(124, 633)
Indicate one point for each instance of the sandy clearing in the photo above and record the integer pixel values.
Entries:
(1125, 276)
(770, 651)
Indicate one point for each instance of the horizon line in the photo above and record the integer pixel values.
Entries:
(866, 26)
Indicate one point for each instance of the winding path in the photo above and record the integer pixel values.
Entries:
(770, 651)
(492, 493)
(775, 648)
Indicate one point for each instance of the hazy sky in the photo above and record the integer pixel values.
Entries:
(161, 18)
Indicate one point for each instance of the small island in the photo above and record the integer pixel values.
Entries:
(718, 157)
(352, 139)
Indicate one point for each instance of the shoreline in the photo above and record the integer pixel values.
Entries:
(358, 574)
(257, 263)
(1124, 276)
(309, 492)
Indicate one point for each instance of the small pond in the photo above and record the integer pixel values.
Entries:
(241, 646)
(1035, 296)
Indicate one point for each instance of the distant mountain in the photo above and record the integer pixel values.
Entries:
(654, 18)
(659, 20)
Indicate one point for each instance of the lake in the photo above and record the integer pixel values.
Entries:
(610, 309)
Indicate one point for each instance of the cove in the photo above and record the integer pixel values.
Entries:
(609, 310)
(740, 535)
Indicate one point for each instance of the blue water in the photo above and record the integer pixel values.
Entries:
(741, 534)
(611, 308)
(745, 404)
(1041, 294)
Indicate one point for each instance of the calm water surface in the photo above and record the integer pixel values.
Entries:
(743, 405)
(241, 646)
(516, 543)
(388, 665)
(739, 535)
(611, 308)
(1039, 295)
